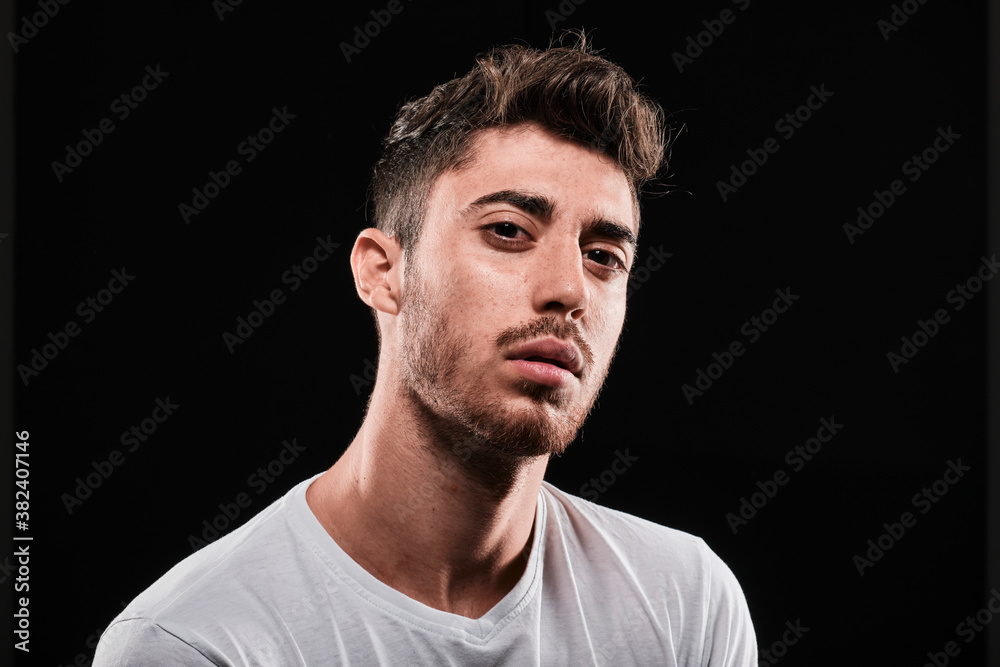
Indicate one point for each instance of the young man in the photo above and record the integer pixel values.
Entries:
(506, 205)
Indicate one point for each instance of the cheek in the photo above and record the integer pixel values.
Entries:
(477, 298)
(606, 327)
(486, 287)
(610, 337)
(607, 307)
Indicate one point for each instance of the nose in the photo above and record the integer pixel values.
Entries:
(560, 286)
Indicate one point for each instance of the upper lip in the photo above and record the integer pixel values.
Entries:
(552, 351)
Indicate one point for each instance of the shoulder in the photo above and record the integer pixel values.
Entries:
(629, 536)
(235, 582)
(137, 642)
(245, 553)
(672, 575)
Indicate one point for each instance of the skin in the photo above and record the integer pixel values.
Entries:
(436, 494)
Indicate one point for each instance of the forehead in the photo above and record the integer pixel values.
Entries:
(577, 179)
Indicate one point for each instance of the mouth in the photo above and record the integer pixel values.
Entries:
(546, 360)
(549, 361)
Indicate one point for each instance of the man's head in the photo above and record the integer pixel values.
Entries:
(507, 214)
(568, 90)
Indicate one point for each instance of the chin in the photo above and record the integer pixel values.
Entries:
(542, 423)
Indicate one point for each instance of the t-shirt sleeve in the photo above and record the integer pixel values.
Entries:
(731, 641)
(140, 642)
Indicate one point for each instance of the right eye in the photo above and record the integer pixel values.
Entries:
(508, 230)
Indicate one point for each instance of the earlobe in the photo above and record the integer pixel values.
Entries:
(376, 262)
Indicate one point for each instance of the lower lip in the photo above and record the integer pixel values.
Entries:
(543, 373)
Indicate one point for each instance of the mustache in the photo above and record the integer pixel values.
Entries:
(547, 326)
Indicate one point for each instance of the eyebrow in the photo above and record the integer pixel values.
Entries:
(539, 205)
(542, 206)
(613, 230)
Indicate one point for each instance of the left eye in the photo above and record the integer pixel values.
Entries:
(605, 258)
(505, 229)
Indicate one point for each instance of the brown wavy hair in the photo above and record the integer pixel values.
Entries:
(567, 88)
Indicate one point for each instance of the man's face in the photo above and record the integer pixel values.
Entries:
(514, 297)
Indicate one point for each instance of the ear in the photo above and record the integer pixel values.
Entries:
(376, 261)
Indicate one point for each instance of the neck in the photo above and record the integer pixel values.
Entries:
(429, 510)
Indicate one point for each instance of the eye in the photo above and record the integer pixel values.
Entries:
(606, 259)
(507, 230)
(506, 234)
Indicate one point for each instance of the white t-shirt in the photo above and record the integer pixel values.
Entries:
(601, 587)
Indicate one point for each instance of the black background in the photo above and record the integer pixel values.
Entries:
(300, 375)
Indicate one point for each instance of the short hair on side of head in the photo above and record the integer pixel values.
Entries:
(567, 89)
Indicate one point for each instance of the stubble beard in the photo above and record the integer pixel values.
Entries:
(491, 439)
